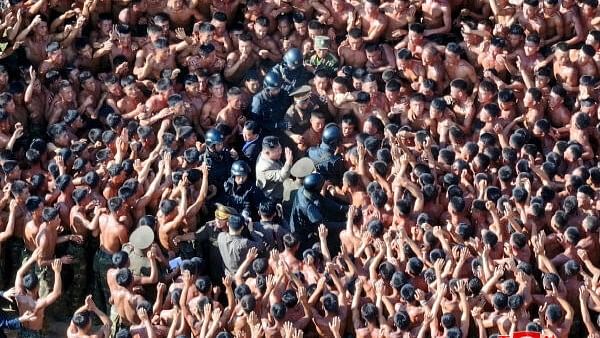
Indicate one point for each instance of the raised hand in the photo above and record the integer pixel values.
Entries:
(227, 281)
(161, 288)
(302, 293)
(583, 293)
(187, 278)
(27, 317)
(288, 329)
(499, 271)
(57, 265)
(89, 303)
(252, 254)
(216, 315)
(323, 231)
(142, 314)
(582, 254)
(334, 325)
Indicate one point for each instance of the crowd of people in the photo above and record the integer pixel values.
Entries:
(300, 168)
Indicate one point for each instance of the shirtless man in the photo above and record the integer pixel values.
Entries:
(554, 31)
(34, 206)
(170, 218)
(78, 219)
(231, 115)
(529, 57)
(48, 237)
(28, 298)
(285, 36)
(399, 13)
(380, 58)
(81, 324)
(229, 7)
(462, 105)
(240, 61)
(434, 68)
(410, 68)
(132, 104)
(494, 58)
(181, 15)
(561, 115)
(36, 101)
(90, 94)
(209, 59)
(125, 302)
(503, 11)
(352, 51)
(585, 61)
(340, 13)
(440, 120)
(565, 71)
(64, 101)
(573, 28)
(158, 101)
(415, 40)
(457, 68)
(264, 44)
(217, 101)
(163, 57)
(113, 234)
(35, 45)
(55, 58)
(371, 20)
(437, 17)
(530, 18)
(81, 225)
(534, 107)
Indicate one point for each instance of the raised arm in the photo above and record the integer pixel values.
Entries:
(56, 290)
(569, 313)
(25, 267)
(37, 19)
(170, 226)
(465, 317)
(106, 322)
(323, 232)
(10, 226)
(197, 205)
(153, 278)
(585, 313)
(241, 271)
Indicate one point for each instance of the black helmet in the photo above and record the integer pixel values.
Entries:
(313, 182)
(272, 80)
(213, 136)
(293, 58)
(332, 134)
(240, 168)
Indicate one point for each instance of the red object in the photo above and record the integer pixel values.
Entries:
(526, 334)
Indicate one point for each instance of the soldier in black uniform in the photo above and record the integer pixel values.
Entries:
(292, 71)
(327, 161)
(241, 193)
(217, 158)
(310, 210)
(270, 104)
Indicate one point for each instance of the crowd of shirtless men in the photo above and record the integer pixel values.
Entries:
(470, 184)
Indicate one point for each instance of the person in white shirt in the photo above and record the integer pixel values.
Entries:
(270, 172)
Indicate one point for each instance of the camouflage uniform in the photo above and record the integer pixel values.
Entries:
(102, 262)
(46, 280)
(78, 288)
(14, 253)
(117, 323)
(27, 333)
